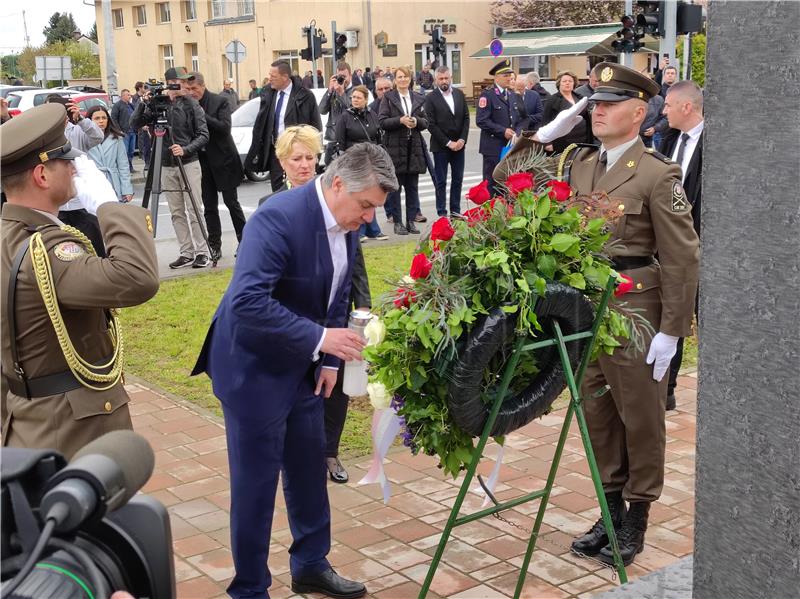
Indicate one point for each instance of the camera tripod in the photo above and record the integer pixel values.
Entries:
(160, 129)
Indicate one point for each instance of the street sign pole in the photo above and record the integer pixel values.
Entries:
(236, 53)
(626, 58)
(670, 8)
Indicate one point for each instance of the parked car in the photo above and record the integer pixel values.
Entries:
(8, 89)
(21, 101)
(242, 123)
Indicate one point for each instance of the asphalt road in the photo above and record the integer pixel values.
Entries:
(250, 193)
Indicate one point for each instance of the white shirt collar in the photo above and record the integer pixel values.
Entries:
(502, 89)
(288, 89)
(695, 131)
(448, 93)
(615, 154)
(330, 221)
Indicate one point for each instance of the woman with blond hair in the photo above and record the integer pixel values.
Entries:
(563, 99)
(297, 149)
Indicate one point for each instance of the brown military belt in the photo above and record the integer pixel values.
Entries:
(631, 262)
(42, 386)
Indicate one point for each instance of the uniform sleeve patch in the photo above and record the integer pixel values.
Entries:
(679, 202)
(482, 103)
(67, 251)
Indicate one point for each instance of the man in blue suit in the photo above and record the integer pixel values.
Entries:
(272, 353)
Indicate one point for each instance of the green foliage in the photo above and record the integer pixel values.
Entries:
(60, 28)
(85, 65)
(698, 58)
(499, 257)
(92, 35)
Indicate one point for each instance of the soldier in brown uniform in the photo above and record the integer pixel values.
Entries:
(62, 347)
(626, 425)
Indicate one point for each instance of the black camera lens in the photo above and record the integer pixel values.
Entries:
(340, 79)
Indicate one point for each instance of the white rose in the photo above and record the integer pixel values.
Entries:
(408, 281)
(378, 396)
(375, 331)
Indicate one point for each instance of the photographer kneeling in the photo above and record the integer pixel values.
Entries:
(187, 133)
(61, 344)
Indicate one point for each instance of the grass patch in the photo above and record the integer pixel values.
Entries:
(163, 337)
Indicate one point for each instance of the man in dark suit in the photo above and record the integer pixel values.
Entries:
(220, 165)
(683, 143)
(501, 115)
(532, 99)
(273, 352)
(285, 102)
(448, 122)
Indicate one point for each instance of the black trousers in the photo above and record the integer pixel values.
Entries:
(489, 163)
(335, 415)
(211, 211)
(87, 224)
(275, 171)
(409, 183)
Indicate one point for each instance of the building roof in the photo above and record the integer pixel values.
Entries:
(582, 39)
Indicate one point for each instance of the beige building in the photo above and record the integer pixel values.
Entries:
(151, 36)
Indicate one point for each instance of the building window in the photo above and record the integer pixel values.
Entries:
(227, 67)
(451, 58)
(139, 15)
(189, 10)
(290, 56)
(162, 10)
(192, 56)
(245, 8)
(116, 15)
(540, 64)
(167, 56)
(217, 9)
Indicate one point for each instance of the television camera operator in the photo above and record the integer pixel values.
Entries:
(61, 344)
(187, 133)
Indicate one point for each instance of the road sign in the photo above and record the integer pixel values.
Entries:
(496, 47)
(235, 51)
(53, 68)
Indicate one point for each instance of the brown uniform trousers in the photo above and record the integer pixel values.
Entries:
(626, 425)
(86, 286)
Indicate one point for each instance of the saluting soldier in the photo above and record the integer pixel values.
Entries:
(62, 347)
(501, 115)
(626, 424)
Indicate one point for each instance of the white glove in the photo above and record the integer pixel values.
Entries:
(564, 122)
(91, 186)
(662, 348)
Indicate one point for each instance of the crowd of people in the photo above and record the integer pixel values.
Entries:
(277, 340)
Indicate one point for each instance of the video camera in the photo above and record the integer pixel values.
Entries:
(158, 99)
(80, 530)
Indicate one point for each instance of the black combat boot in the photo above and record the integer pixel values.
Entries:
(630, 537)
(593, 541)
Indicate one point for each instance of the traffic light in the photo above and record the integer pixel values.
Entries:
(340, 46)
(438, 42)
(651, 19)
(629, 37)
(305, 53)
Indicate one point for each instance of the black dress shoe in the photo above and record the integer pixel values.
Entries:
(670, 402)
(593, 541)
(412, 228)
(329, 583)
(336, 470)
(419, 218)
(630, 538)
(215, 254)
(399, 229)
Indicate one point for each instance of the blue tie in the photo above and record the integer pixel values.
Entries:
(278, 107)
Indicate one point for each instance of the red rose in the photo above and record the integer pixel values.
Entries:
(559, 190)
(519, 182)
(405, 298)
(475, 215)
(480, 193)
(442, 230)
(420, 267)
(624, 285)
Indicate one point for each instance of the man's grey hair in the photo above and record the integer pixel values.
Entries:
(532, 77)
(198, 77)
(690, 91)
(442, 70)
(361, 167)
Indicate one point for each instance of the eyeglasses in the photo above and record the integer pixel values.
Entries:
(54, 153)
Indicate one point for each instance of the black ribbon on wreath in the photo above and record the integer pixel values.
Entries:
(495, 333)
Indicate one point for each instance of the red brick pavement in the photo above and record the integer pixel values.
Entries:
(390, 547)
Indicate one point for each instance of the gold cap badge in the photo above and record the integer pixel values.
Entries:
(607, 74)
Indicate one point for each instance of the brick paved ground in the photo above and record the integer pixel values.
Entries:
(390, 547)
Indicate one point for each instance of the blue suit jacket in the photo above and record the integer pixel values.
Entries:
(495, 115)
(270, 320)
(534, 107)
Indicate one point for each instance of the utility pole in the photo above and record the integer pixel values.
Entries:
(626, 58)
(108, 49)
(670, 8)
(25, 26)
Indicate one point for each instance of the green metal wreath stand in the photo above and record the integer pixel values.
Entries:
(573, 383)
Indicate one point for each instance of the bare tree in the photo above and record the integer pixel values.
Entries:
(523, 14)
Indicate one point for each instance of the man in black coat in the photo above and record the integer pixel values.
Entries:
(448, 123)
(283, 104)
(683, 143)
(220, 165)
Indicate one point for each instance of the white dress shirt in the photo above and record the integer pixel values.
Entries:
(83, 135)
(615, 154)
(448, 97)
(337, 243)
(282, 117)
(405, 102)
(691, 144)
